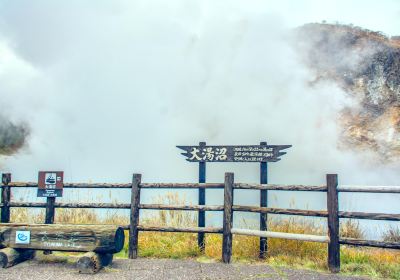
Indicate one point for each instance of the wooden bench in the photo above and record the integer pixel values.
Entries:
(99, 242)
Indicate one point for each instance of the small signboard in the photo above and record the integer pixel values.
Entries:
(22, 237)
(50, 183)
(247, 153)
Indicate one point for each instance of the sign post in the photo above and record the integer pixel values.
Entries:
(202, 201)
(50, 185)
(262, 153)
(263, 203)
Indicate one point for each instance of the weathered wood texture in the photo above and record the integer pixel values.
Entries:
(369, 216)
(229, 153)
(72, 205)
(49, 218)
(255, 209)
(134, 217)
(281, 211)
(273, 187)
(263, 203)
(182, 207)
(202, 201)
(227, 218)
(370, 189)
(73, 238)
(182, 186)
(369, 243)
(333, 223)
(75, 185)
(92, 262)
(343, 188)
(5, 197)
(282, 235)
(175, 229)
(120, 206)
(10, 256)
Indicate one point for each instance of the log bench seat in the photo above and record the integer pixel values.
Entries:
(99, 242)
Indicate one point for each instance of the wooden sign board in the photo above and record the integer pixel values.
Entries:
(247, 153)
(50, 183)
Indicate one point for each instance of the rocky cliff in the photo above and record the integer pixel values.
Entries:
(366, 65)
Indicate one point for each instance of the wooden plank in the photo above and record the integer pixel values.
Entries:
(72, 205)
(94, 205)
(274, 187)
(10, 256)
(228, 218)
(5, 197)
(201, 221)
(76, 185)
(333, 223)
(369, 189)
(73, 238)
(28, 204)
(134, 216)
(282, 235)
(126, 186)
(92, 262)
(343, 188)
(175, 229)
(282, 211)
(263, 203)
(369, 243)
(181, 207)
(120, 206)
(182, 186)
(229, 153)
(369, 216)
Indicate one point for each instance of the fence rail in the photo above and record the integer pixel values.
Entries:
(332, 213)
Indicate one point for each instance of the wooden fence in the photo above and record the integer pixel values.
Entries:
(332, 213)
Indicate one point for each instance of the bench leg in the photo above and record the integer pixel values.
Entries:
(92, 262)
(10, 257)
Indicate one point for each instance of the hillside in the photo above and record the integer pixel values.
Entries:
(366, 65)
(12, 136)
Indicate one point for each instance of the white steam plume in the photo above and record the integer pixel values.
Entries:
(111, 89)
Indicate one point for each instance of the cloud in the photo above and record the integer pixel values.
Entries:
(123, 83)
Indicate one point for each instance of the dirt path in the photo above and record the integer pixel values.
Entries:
(159, 269)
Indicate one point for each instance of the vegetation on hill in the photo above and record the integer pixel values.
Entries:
(366, 65)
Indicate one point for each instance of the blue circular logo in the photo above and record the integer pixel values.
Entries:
(22, 237)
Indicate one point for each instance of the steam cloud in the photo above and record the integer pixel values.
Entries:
(111, 88)
(116, 89)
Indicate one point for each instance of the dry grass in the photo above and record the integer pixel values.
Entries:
(356, 261)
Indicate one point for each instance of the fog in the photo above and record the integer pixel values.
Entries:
(110, 89)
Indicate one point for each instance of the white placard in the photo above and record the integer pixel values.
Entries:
(22, 237)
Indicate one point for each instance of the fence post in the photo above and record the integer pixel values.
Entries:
(202, 201)
(263, 203)
(49, 218)
(228, 218)
(134, 217)
(50, 210)
(5, 197)
(333, 223)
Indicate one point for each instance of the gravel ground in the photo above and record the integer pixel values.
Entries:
(159, 269)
